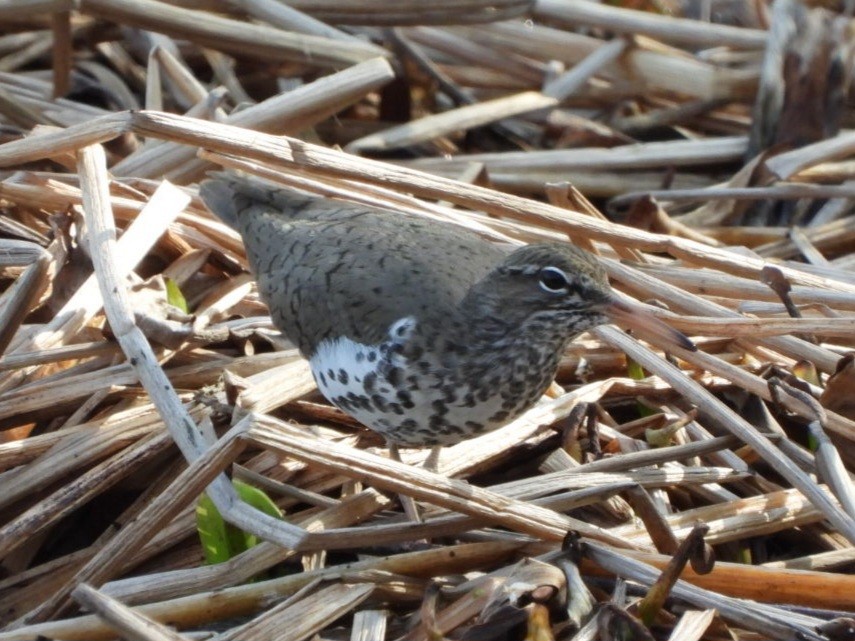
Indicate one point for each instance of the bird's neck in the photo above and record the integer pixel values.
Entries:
(533, 343)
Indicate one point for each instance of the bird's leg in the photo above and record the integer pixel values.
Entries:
(407, 502)
(431, 463)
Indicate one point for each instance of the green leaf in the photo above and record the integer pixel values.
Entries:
(257, 499)
(806, 371)
(212, 532)
(636, 372)
(812, 443)
(174, 296)
(260, 501)
(661, 437)
(222, 541)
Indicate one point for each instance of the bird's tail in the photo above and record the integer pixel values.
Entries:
(230, 195)
(219, 192)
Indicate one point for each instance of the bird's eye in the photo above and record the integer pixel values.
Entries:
(553, 280)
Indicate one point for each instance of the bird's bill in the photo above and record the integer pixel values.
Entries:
(635, 317)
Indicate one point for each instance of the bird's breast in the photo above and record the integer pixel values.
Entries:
(412, 396)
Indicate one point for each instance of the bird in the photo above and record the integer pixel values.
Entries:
(425, 332)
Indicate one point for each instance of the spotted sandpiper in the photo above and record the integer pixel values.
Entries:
(424, 332)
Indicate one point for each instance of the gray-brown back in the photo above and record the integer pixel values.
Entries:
(328, 269)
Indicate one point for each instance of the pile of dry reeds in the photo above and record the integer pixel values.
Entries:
(714, 142)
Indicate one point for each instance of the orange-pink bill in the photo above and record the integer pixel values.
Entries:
(637, 318)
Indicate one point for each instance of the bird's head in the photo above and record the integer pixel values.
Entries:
(559, 288)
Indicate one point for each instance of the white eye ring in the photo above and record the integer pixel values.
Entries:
(553, 280)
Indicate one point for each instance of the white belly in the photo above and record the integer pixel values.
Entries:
(415, 409)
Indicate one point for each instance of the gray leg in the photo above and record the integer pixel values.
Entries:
(431, 463)
(407, 502)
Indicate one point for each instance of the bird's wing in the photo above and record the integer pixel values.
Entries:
(328, 269)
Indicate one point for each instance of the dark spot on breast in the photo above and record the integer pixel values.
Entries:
(380, 403)
(322, 379)
(440, 408)
(499, 416)
(372, 356)
(405, 399)
(369, 381)
(455, 348)
(438, 423)
(357, 401)
(360, 356)
(449, 393)
(395, 376)
(343, 377)
(331, 374)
